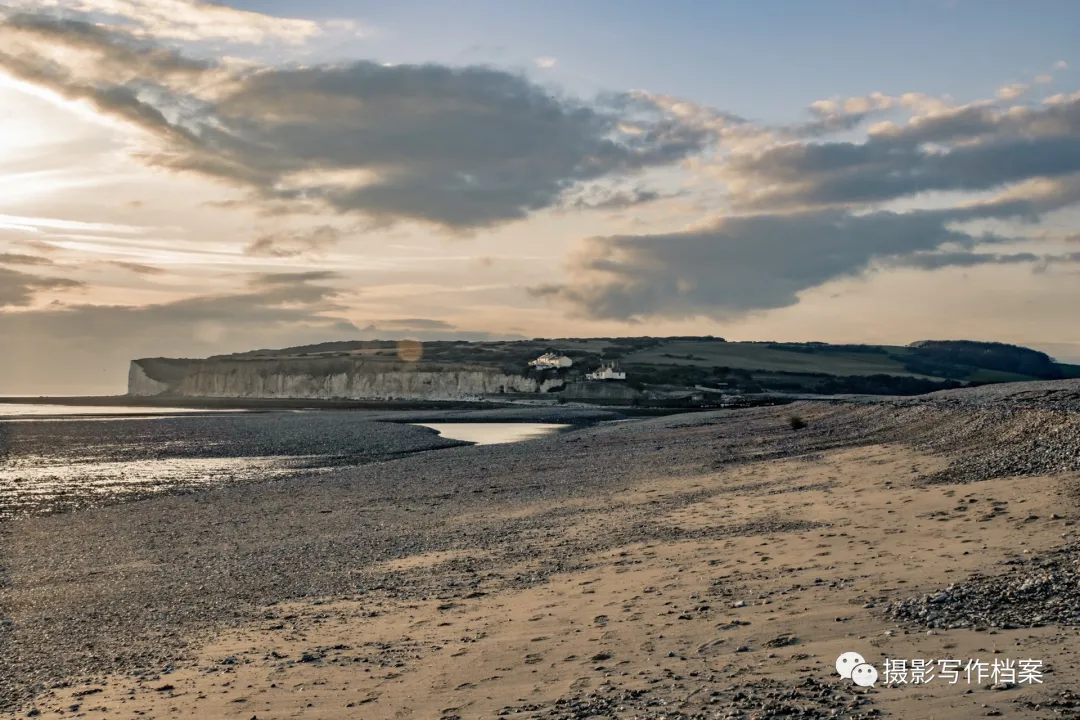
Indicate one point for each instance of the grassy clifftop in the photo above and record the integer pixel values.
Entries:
(712, 362)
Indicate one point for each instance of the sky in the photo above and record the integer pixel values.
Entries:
(185, 179)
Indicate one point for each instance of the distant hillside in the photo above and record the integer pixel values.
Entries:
(965, 358)
(748, 367)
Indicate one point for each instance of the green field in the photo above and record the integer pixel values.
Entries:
(759, 356)
(747, 367)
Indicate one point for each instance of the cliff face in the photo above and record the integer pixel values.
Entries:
(139, 383)
(154, 376)
(315, 378)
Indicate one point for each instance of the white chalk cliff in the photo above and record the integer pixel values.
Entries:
(324, 379)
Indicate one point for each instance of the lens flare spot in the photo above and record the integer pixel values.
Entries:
(410, 350)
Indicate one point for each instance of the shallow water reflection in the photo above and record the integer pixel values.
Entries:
(36, 410)
(493, 433)
(40, 482)
(73, 462)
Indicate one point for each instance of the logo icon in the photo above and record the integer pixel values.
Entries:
(864, 675)
(847, 662)
(853, 666)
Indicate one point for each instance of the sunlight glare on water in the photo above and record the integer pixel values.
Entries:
(492, 433)
(19, 410)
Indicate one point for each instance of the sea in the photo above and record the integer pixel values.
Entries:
(62, 458)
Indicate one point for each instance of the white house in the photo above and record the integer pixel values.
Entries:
(607, 372)
(551, 360)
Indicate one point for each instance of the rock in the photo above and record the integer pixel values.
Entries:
(782, 641)
(1043, 589)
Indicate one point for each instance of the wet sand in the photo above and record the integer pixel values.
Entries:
(712, 565)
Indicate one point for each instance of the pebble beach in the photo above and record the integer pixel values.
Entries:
(705, 565)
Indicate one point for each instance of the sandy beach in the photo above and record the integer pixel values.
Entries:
(711, 565)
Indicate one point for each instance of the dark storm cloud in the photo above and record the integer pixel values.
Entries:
(18, 289)
(464, 148)
(743, 263)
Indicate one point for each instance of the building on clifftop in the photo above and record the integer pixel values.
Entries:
(607, 372)
(551, 360)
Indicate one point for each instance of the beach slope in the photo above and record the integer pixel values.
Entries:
(694, 566)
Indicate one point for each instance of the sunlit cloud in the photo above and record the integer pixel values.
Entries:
(462, 149)
(137, 268)
(188, 20)
(1011, 92)
(40, 224)
(163, 186)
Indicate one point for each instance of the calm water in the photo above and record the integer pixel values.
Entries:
(56, 458)
(18, 410)
(71, 461)
(493, 433)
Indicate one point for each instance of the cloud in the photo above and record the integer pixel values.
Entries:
(546, 62)
(471, 148)
(1011, 92)
(270, 310)
(415, 324)
(461, 148)
(18, 289)
(378, 331)
(187, 20)
(836, 115)
(289, 243)
(741, 264)
(43, 224)
(803, 212)
(937, 261)
(606, 198)
(292, 279)
(971, 148)
(137, 268)
(21, 259)
(1061, 65)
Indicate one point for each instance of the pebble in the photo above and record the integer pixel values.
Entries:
(1038, 590)
(168, 576)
